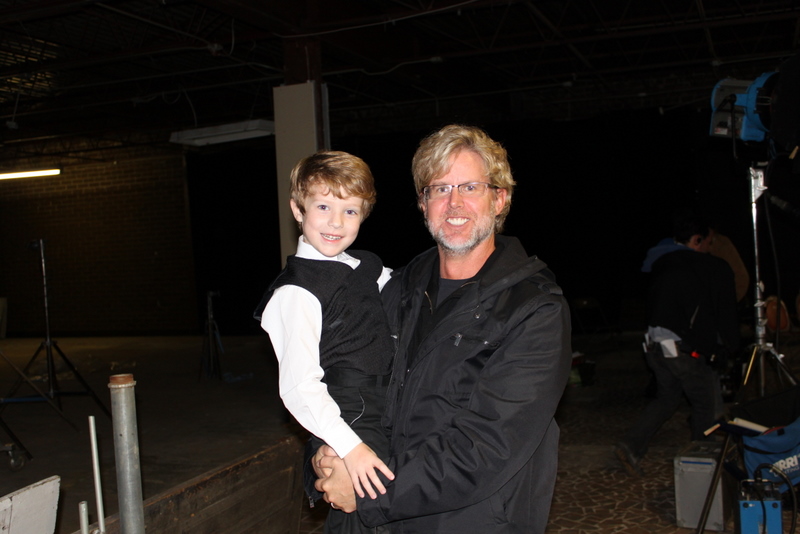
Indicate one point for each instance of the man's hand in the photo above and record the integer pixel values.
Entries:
(338, 488)
(322, 452)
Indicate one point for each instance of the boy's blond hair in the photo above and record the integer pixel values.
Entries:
(342, 174)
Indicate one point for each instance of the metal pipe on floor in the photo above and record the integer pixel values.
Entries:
(83, 516)
(126, 452)
(98, 487)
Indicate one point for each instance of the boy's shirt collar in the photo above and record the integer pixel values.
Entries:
(308, 252)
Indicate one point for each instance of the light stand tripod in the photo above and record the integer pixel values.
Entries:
(51, 396)
(762, 351)
(212, 342)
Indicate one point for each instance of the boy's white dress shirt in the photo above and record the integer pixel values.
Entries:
(293, 320)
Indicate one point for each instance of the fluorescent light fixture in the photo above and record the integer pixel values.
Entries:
(224, 133)
(30, 174)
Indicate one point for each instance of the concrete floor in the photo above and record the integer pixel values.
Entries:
(188, 426)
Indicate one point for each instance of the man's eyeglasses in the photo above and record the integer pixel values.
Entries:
(472, 189)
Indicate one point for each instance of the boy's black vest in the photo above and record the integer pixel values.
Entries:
(355, 333)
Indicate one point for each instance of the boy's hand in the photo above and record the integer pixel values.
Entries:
(361, 464)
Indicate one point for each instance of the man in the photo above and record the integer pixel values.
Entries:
(692, 324)
(483, 356)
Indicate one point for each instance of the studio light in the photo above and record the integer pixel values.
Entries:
(742, 109)
(30, 174)
(224, 133)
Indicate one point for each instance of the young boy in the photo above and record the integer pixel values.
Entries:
(324, 317)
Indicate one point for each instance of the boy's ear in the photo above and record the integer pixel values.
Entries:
(298, 215)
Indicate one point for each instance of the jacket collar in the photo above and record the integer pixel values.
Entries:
(507, 265)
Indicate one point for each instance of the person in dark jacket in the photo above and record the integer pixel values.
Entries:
(483, 356)
(692, 322)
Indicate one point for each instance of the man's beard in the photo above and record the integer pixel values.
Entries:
(482, 229)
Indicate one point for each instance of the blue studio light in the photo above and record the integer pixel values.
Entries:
(742, 109)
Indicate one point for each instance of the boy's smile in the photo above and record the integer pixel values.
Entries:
(330, 224)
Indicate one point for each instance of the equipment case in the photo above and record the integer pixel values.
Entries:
(694, 471)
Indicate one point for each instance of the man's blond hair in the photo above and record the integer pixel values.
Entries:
(434, 157)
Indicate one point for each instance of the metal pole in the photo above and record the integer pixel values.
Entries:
(98, 488)
(757, 188)
(83, 515)
(48, 343)
(211, 370)
(126, 452)
(44, 283)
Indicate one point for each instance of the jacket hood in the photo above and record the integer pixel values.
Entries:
(515, 266)
(665, 246)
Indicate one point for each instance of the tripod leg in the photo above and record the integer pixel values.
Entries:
(22, 375)
(52, 379)
(701, 524)
(41, 393)
(750, 364)
(219, 340)
(83, 382)
(782, 367)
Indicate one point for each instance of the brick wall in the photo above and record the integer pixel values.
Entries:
(117, 246)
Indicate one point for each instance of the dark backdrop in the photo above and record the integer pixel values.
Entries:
(592, 196)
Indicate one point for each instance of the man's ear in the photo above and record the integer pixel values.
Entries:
(694, 241)
(501, 198)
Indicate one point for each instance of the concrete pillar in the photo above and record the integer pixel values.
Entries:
(301, 126)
